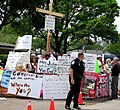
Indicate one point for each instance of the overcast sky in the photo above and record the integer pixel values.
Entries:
(117, 21)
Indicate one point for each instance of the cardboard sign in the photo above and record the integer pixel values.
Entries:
(25, 84)
(63, 65)
(24, 43)
(55, 86)
(46, 66)
(6, 78)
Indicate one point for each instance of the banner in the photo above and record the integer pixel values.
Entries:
(103, 86)
(6, 78)
(89, 85)
(63, 65)
(24, 42)
(46, 66)
(25, 84)
(55, 86)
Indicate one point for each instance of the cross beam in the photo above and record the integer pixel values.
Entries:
(50, 12)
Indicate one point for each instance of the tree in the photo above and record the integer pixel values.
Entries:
(88, 18)
(11, 10)
(114, 47)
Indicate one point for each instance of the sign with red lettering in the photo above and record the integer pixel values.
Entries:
(89, 85)
(103, 86)
(25, 84)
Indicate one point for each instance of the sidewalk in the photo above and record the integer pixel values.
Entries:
(21, 104)
(108, 105)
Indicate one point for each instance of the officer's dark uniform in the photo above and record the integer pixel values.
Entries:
(78, 71)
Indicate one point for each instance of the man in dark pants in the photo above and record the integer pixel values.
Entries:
(76, 73)
(115, 73)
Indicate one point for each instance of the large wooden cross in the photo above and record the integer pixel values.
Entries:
(50, 12)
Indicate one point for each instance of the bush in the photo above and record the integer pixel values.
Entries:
(3, 57)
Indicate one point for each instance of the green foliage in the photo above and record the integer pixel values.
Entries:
(3, 57)
(8, 35)
(83, 18)
(114, 47)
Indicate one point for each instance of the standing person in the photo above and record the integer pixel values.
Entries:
(107, 70)
(115, 73)
(76, 73)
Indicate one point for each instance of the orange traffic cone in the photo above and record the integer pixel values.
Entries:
(29, 107)
(80, 100)
(52, 106)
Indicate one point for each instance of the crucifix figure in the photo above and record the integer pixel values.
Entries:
(51, 13)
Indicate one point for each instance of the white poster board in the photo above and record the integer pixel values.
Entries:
(55, 86)
(49, 22)
(16, 59)
(25, 84)
(46, 66)
(90, 61)
(12, 60)
(24, 42)
(24, 58)
(63, 65)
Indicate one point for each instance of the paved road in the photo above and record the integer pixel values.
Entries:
(21, 104)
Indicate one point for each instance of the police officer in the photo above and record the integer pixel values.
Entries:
(76, 73)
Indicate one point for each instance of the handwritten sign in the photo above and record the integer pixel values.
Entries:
(12, 60)
(45, 66)
(24, 42)
(49, 22)
(24, 58)
(6, 78)
(25, 84)
(90, 62)
(63, 65)
(55, 86)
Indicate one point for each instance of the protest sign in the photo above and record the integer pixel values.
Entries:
(63, 65)
(24, 58)
(45, 66)
(90, 61)
(25, 84)
(12, 60)
(55, 86)
(103, 86)
(89, 85)
(24, 42)
(6, 78)
(1, 72)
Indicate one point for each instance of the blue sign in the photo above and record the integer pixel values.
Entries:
(6, 78)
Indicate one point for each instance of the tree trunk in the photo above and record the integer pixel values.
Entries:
(65, 46)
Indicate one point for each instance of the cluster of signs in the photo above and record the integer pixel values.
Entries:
(56, 84)
(23, 84)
